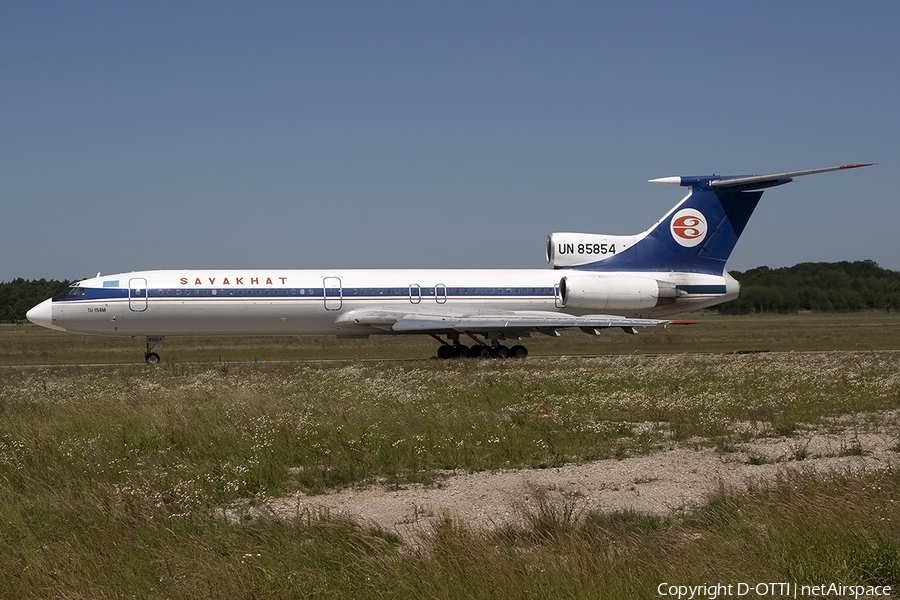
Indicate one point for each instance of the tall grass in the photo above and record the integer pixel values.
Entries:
(191, 432)
(802, 530)
(113, 480)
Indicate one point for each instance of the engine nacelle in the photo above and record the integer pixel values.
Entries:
(614, 292)
(573, 249)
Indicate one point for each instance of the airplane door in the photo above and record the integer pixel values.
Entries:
(334, 297)
(415, 293)
(137, 294)
(440, 293)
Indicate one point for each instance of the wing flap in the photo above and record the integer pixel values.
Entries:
(426, 322)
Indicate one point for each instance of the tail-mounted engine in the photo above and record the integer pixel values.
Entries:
(615, 292)
(573, 249)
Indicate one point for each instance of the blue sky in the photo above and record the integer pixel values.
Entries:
(143, 135)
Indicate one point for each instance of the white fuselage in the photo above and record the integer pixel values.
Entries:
(312, 302)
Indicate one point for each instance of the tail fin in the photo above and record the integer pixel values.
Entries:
(699, 233)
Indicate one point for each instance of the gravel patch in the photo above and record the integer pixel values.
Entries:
(669, 481)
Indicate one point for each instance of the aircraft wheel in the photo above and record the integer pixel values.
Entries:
(500, 352)
(518, 352)
(480, 351)
(446, 352)
(152, 358)
(462, 350)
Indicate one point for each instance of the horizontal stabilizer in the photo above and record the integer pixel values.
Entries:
(727, 182)
(751, 181)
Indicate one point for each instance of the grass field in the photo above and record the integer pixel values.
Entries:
(113, 478)
(27, 344)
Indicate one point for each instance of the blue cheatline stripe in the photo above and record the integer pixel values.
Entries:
(368, 293)
(701, 289)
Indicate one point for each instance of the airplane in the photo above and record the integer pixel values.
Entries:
(597, 281)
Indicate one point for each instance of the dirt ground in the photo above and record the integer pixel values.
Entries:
(674, 479)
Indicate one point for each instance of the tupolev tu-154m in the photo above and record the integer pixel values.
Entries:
(596, 282)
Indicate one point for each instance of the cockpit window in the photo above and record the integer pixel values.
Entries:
(73, 291)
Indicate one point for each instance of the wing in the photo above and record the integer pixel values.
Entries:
(508, 323)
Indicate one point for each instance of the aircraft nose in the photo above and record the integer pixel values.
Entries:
(42, 315)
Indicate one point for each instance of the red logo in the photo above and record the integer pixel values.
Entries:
(688, 227)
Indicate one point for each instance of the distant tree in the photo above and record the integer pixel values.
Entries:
(19, 295)
(829, 287)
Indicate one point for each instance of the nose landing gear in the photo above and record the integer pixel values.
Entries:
(152, 357)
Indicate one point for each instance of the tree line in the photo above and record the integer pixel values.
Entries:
(826, 287)
(19, 295)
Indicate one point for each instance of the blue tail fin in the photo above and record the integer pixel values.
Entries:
(699, 233)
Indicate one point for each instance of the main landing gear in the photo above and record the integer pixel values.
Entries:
(496, 350)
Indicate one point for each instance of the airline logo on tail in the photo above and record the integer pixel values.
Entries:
(688, 227)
